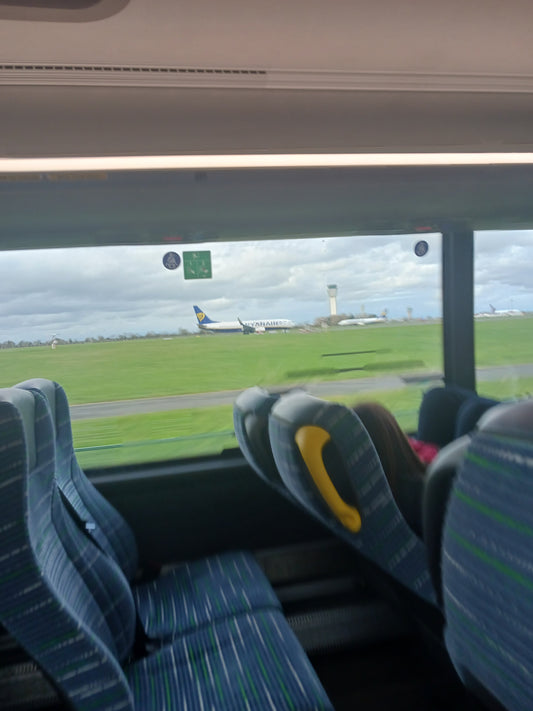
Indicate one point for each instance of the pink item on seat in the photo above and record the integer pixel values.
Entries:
(425, 451)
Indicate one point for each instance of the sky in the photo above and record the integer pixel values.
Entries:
(80, 293)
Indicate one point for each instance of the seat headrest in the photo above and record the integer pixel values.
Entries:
(250, 417)
(44, 386)
(470, 412)
(251, 411)
(24, 402)
(512, 419)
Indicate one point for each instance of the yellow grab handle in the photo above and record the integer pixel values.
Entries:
(311, 441)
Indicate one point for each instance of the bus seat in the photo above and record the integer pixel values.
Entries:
(449, 412)
(487, 560)
(177, 600)
(251, 410)
(108, 528)
(328, 462)
(77, 621)
(439, 479)
(44, 603)
(471, 412)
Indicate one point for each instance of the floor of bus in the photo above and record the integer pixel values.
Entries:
(397, 675)
(367, 653)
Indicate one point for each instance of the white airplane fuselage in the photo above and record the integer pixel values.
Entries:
(253, 326)
(258, 326)
(361, 321)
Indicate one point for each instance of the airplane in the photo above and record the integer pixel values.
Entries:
(495, 313)
(361, 321)
(505, 312)
(239, 326)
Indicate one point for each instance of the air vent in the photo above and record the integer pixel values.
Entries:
(46, 74)
(101, 75)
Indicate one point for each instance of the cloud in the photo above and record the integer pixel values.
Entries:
(78, 293)
(502, 275)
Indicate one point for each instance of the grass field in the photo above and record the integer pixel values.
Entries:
(108, 371)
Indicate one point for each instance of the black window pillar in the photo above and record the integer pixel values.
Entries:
(458, 306)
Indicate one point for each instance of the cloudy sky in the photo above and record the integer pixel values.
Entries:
(81, 293)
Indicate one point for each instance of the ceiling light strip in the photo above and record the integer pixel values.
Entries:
(234, 162)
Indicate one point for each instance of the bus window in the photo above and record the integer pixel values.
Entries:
(149, 377)
(503, 313)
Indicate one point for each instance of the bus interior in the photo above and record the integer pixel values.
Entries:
(363, 161)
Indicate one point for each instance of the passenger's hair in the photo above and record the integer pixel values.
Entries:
(397, 457)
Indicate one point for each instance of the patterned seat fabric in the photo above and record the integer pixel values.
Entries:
(45, 604)
(203, 590)
(488, 560)
(251, 410)
(252, 661)
(77, 621)
(354, 468)
(181, 599)
(439, 479)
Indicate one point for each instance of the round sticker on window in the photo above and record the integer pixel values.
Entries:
(171, 260)
(421, 248)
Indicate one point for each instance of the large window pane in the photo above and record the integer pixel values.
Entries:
(504, 313)
(118, 331)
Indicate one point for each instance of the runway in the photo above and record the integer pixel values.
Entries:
(330, 389)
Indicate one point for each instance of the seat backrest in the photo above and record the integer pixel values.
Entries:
(46, 604)
(440, 476)
(101, 520)
(449, 412)
(471, 412)
(329, 463)
(251, 410)
(487, 560)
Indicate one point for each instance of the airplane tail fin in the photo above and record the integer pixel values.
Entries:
(202, 316)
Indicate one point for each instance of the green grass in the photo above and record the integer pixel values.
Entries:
(96, 372)
(186, 433)
(508, 389)
(153, 436)
(504, 341)
(108, 371)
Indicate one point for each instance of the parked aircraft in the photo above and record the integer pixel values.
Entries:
(495, 313)
(238, 326)
(361, 321)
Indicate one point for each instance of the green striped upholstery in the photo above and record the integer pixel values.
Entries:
(188, 596)
(76, 620)
(44, 603)
(249, 662)
(384, 538)
(111, 532)
(201, 591)
(487, 562)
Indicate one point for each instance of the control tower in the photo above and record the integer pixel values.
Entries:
(332, 293)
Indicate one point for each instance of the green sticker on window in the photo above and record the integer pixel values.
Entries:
(197, 265)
